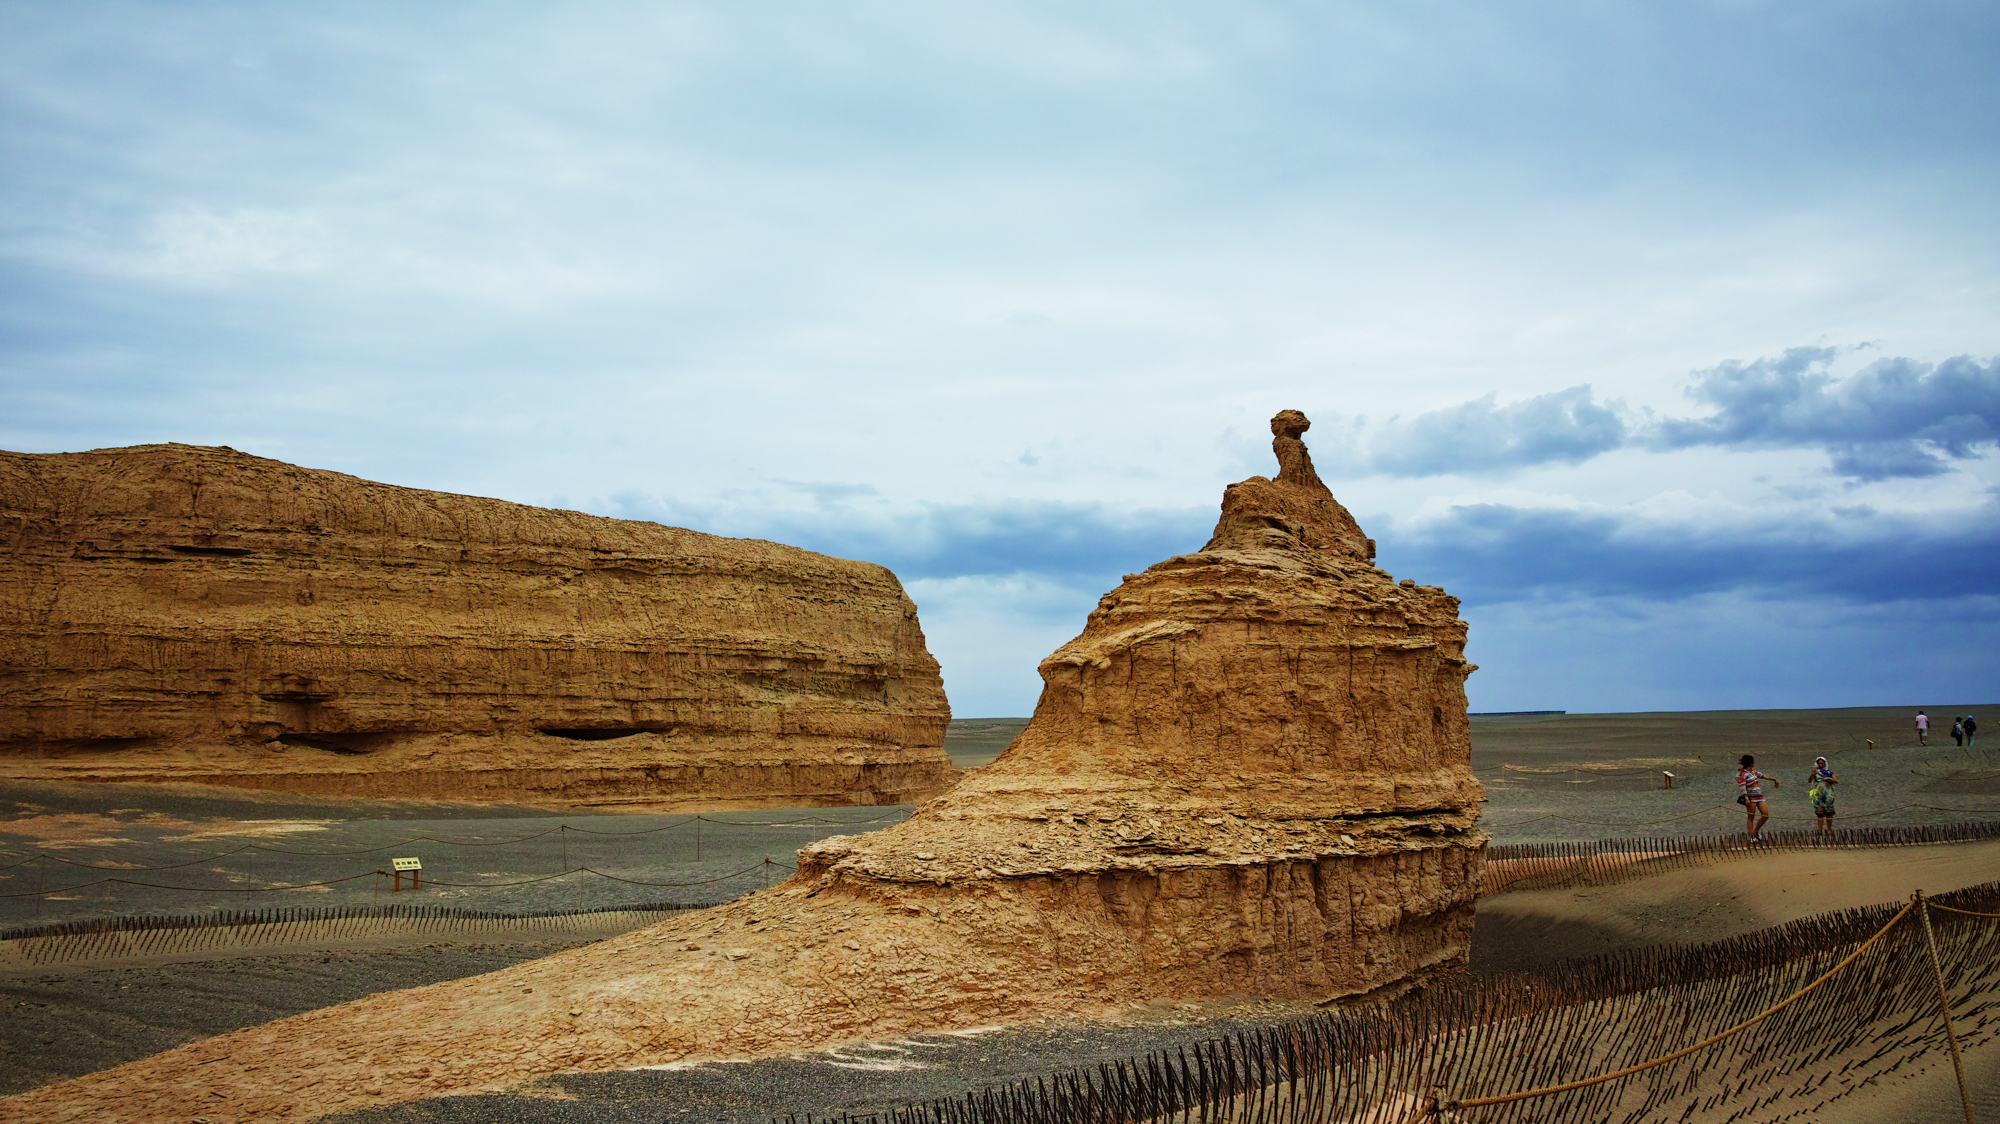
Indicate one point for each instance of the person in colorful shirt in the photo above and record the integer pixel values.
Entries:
(1752, 783)
(1923, 728)
(1819, 785)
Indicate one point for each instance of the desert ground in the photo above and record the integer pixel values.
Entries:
(1548, 777)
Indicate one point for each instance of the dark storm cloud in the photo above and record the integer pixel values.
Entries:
(1567, 426)
(1897, 417)
(1065, 543)
(1484, 553)
(1494, 553)
(1060, 541)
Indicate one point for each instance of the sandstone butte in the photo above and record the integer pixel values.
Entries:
(1249, 776)
(180, 613)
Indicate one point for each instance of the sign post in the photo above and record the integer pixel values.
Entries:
(416, 868)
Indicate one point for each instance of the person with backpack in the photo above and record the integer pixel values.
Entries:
(1957, 731)
(1819, 785)
(1757, 814)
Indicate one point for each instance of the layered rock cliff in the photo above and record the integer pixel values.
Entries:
(172, 612)
(1249, 775)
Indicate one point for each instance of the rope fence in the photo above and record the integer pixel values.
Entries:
(1507, 865)
(1768, 1026)
(766, 866)
(199, 889)
(1710, 809)
(261, 930)
(24, 858)
(561, 829)
(96, 940)
(1543, 866)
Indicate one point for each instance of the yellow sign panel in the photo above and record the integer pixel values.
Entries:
(406, 864)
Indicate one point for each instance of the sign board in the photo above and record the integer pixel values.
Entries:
(406, 864)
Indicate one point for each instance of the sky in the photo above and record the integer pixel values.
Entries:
(1664, 336)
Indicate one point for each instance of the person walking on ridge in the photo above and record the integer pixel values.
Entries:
(1957, 731)
(1923, 728)
(1971, 728)
(1819, 785)
(1757, 813)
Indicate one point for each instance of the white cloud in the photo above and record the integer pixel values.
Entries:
(989, 634)
(196, 243)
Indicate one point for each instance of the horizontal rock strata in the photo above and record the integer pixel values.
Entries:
(1248, 776)
(177, 613)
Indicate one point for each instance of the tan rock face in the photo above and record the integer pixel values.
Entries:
(1248, 776)
(171, 612)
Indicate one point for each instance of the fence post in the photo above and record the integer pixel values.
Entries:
(1944, 1004)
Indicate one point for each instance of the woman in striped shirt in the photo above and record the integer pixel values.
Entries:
(1752, 783)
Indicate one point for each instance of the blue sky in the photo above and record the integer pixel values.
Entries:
(1663, 335)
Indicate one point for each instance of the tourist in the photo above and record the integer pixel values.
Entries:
(1957, 731)
(1923, 728)
(1757, 814)
(1971, 728)
(1819, 785)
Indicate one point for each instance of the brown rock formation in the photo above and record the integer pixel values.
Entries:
(171, 612)
(1248, 776)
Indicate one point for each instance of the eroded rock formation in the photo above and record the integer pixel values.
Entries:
(1248, 776)
(172, 612)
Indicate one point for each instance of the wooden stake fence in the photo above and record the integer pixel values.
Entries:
(1493, 1037)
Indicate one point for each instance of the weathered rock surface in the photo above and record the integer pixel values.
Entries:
(179, 613)
(1254, 766)
(1250, 775)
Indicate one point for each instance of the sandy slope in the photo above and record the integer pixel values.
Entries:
(1707, 903)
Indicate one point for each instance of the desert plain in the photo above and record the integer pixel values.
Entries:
(1547, 777)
